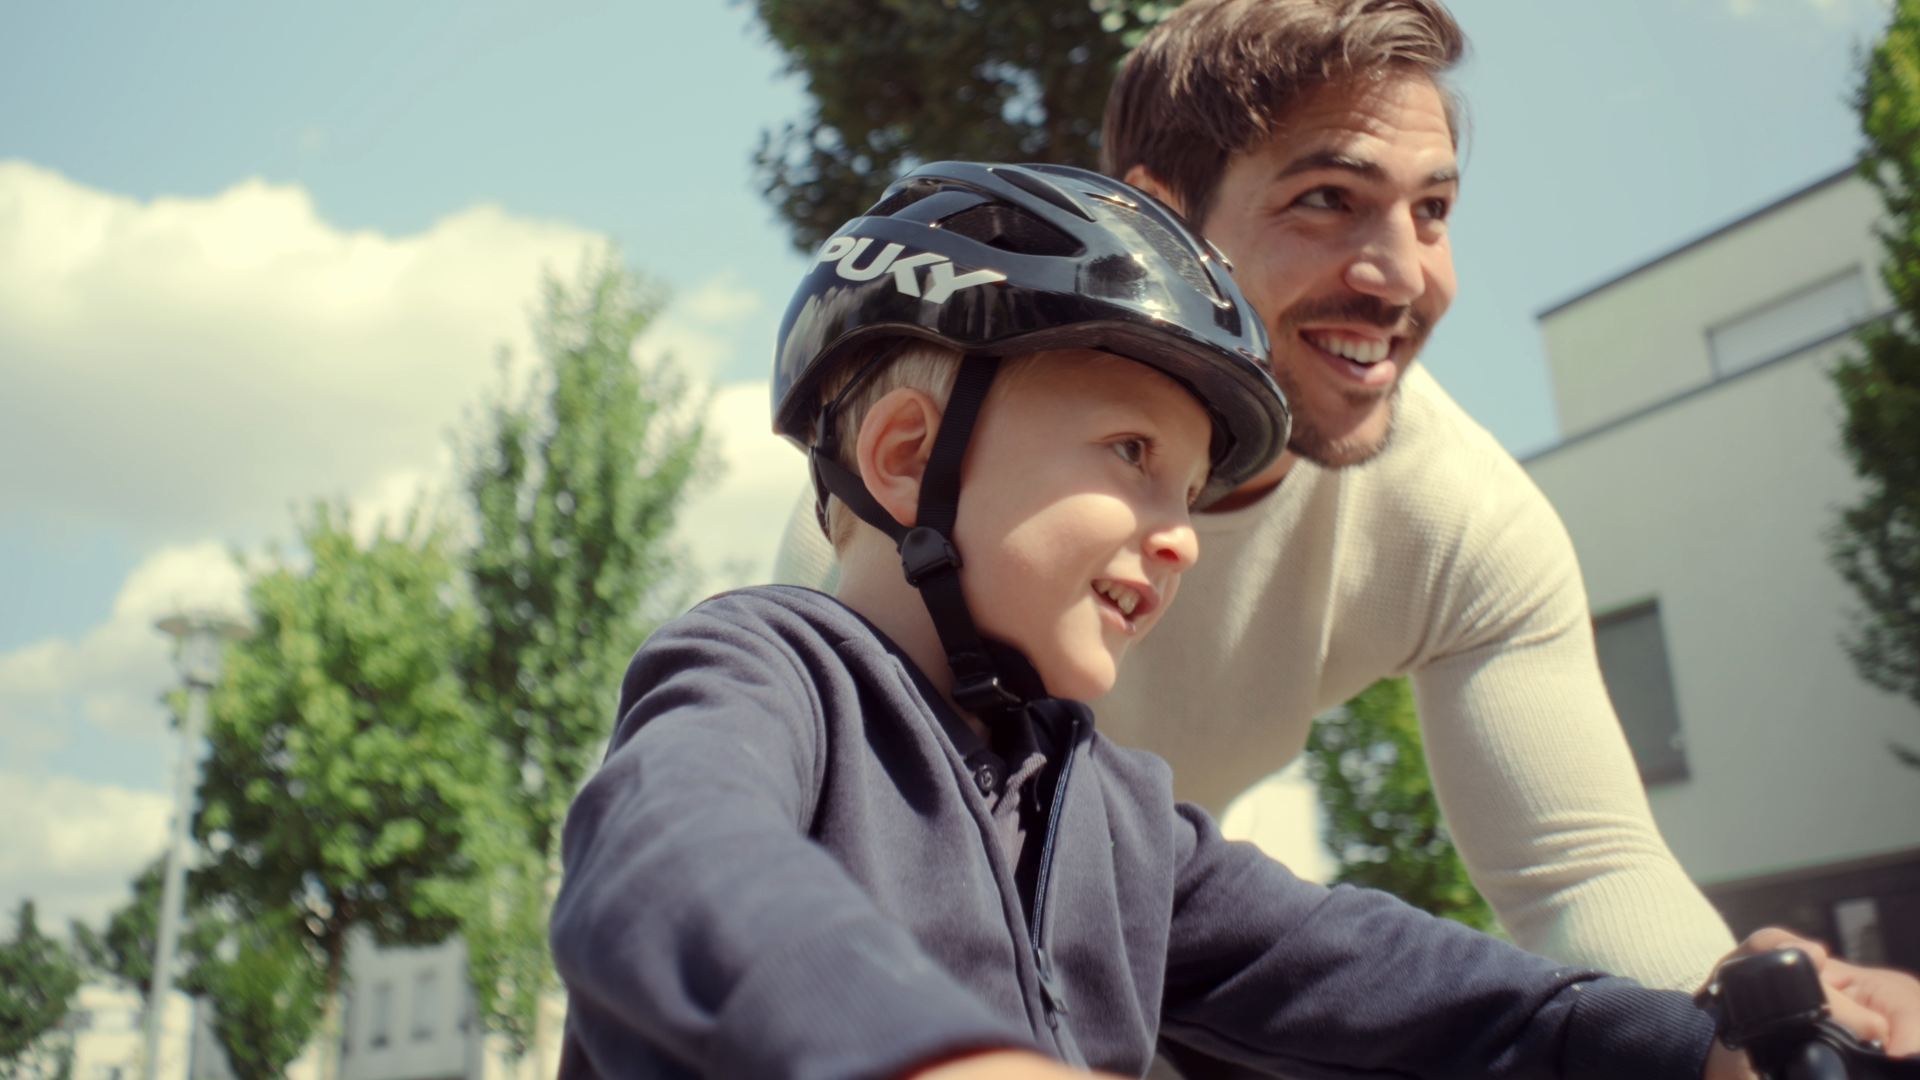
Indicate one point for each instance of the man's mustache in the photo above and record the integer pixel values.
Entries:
(1397, 319)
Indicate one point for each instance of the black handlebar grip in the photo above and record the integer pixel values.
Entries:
(1818, 1061)
(1767, 993)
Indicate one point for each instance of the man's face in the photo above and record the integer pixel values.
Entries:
(1073, 512)
(1337, 228)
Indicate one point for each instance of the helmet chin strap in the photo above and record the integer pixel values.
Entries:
(988, 676)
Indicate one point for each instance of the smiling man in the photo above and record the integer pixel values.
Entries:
(1315, 143)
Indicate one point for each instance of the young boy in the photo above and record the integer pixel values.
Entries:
(876, 835)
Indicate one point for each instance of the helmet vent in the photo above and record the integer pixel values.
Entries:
(1168, 246)
(911, 192)
(1010, 228)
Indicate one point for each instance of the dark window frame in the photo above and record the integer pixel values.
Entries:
(1651, 720)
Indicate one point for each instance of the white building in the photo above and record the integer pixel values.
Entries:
(409, 1015)
(107, 1023)
(1699, 473)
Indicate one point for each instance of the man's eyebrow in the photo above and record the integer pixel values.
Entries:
(1331, 159)
(1366, 170)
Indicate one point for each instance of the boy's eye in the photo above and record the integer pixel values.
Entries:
(1132, 451)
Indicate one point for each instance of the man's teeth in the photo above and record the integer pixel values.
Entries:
(1356, 349)
(1123, 598)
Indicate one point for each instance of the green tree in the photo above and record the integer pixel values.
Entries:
(124, 950)
(38, 978)
(1876, 545)
(1383, 821)
(574, 489)
(348, 765)
(261, 976)
(896, 83)
(266, 981)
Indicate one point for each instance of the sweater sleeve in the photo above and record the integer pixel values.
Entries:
(1290, 977)
(698, 922)
(1531, 766)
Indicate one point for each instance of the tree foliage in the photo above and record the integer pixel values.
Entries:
(574, 490)
(125, 949)
(896, 83)
(574, 494)
(1876, 545)
(348, 764)
(1383, 821)
(266, 981)
(38, 978)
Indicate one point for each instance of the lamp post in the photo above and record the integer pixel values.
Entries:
(199, 637)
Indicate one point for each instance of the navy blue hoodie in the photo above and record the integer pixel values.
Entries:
(784, 869)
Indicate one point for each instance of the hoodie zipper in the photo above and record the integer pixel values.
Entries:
(1054, 1001)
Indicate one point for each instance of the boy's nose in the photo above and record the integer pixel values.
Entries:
(1176, 544)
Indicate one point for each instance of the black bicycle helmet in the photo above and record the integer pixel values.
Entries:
(995, 260)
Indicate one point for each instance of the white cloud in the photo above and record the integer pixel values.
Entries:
(73, 847)
(185, 367)
(112, 677)
(734, 529)
(701, 329)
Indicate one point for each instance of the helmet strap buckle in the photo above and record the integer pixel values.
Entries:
(924, 553)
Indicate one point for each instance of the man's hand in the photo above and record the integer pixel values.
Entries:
(1003, 1065)
(1874, 1003)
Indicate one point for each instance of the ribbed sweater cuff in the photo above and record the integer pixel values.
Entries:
(860, 1001)
(1620, 1028)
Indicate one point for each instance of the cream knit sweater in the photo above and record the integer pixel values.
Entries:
(1440, 560)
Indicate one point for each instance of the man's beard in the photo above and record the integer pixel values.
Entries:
(1310, 438)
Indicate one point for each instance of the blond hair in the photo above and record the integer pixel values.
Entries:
(920, 365)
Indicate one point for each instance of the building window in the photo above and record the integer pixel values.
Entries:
(1858, 921)
(1633, 660)
(426, 1005)
(380, 1022)
(1820, 312)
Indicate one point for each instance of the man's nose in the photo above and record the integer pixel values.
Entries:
(1389, 264)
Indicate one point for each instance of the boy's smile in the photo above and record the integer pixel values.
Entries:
(1074, 511)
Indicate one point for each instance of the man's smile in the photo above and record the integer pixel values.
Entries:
(1361, 358)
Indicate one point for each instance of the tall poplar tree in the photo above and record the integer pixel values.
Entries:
(1876, 545)
(897, 83)
(574, 491)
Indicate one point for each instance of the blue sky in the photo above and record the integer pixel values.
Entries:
(451, 150)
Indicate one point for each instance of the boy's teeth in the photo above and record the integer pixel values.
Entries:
(1125, 599)
(1355, 349)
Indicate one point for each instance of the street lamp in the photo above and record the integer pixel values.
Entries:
(199, 637)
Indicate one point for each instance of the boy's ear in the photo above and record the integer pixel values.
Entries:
(896, 438)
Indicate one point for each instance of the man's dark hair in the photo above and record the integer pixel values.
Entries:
(1219, 75)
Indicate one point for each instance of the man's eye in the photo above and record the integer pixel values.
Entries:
(1325, 198)
(1132, 451)
(1435, 209)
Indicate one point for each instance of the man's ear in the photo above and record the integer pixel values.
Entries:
(1142, 177)
(896, 438)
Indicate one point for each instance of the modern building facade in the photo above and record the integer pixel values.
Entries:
(1700, 472)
